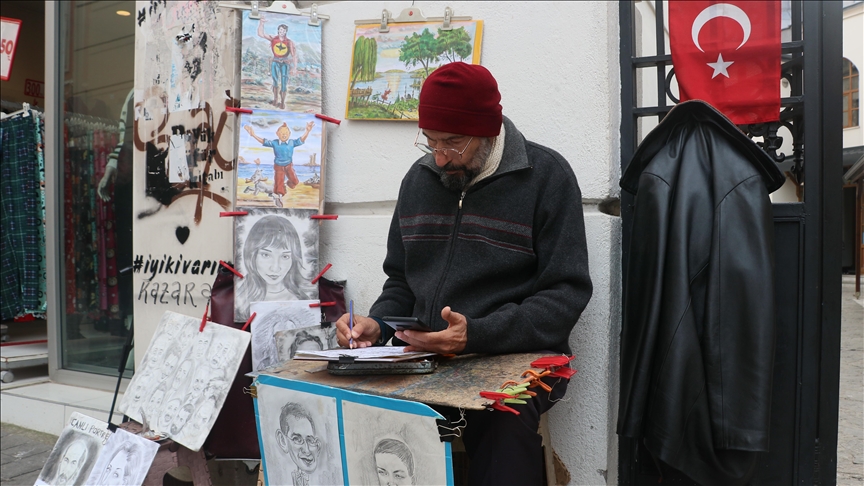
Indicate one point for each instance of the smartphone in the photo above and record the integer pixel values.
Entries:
(406, 323)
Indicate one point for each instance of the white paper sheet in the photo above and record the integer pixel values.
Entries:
(374, 353)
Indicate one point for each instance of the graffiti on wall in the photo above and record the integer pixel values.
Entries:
(184, 159)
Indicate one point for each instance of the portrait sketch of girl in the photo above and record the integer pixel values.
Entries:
(272, 318)
(124, 460)
(276, 251)
(391, 447)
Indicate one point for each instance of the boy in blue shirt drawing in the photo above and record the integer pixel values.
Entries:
(283, 149)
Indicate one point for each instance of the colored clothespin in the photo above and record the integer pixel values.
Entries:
(204, 319)
(233, 213)
(238, 110)
(249, 321)
(535, 379)
(324, 216)
(328, 119)
(556, 365)
(322, 304)
(326, 267)
(235, 272)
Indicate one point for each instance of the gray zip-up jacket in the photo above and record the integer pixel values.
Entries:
(509, 254)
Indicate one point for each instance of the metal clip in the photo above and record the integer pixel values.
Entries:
(385, 16)
(313, 15)
(252, 390)
(254, 13)
(448, 15)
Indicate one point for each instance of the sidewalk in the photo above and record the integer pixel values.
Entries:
(22, 454)
(850, 429)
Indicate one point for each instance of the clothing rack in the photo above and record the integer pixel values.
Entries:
(18, 109)
(82, 121)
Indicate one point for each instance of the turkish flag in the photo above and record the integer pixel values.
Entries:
(728, 54)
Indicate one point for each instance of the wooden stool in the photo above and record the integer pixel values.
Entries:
(171, 455)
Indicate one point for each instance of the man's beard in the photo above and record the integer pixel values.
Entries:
(467, 172)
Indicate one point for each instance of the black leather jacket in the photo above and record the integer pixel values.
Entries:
(697, 339)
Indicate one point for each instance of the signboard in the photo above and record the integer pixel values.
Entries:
(9, 29)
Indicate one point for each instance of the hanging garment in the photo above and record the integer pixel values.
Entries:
(20, 218)
(697, 338)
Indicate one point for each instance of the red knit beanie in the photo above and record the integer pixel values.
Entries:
(463, 99)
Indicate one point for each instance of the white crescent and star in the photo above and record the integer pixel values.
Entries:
(712, 12)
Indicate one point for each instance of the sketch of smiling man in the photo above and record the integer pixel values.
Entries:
(296, 437)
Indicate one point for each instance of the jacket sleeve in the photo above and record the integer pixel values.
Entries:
(740, 332)
(544, 319)
(397, 298)
(642, 300)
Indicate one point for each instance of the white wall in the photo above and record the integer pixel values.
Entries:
(558, 72)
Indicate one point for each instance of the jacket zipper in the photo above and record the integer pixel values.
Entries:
(432, 309)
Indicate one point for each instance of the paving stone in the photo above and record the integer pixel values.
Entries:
(27, 449)
(23, 466)
(6, 458)
(14, 440)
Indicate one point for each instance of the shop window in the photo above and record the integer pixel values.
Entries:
(97, 71)
(850, 95)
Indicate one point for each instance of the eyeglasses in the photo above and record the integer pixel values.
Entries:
(448, 152)
(311, 441)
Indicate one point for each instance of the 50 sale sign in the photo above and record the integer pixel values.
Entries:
(9, 29)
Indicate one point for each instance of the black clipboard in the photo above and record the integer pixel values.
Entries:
(420, 367)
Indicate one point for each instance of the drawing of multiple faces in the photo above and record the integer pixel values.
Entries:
(184, 378)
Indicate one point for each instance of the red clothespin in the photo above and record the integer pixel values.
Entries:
(326, 267)
(556, 365)
(328, 119)
(498, 403)
(235, 272)
(204, 319)
(324, 216)
(238, 110)
(233, 213)
(249, 321)
(322, 304)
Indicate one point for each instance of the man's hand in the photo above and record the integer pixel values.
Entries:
(249, 129)
(449, 341)
(366, 331)
(107, 179)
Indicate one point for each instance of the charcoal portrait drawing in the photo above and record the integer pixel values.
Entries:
(277, 254)
(299, 432)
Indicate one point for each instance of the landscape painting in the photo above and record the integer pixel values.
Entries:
(279, 160)
(280, 63)
(388, 69)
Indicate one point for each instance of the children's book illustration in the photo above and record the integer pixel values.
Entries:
(270, 319)
(74, 455)
(281, 63)
(184, 376)
(124, 460)
(279, 160)
(388, 69)
(300, 437)
(276, 251)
